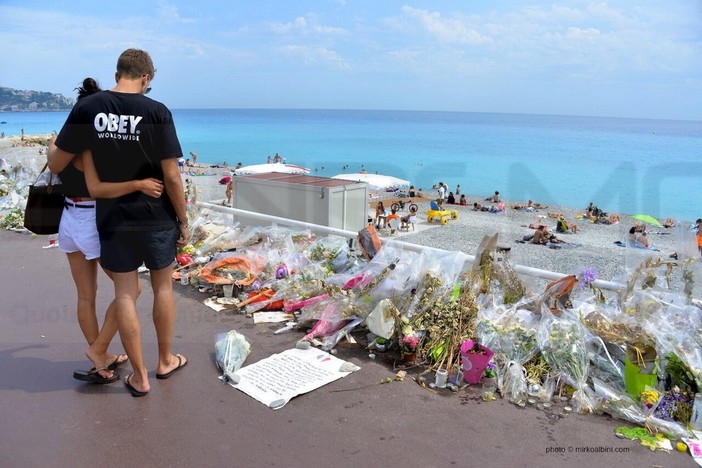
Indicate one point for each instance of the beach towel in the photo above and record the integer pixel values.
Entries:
(653, 247)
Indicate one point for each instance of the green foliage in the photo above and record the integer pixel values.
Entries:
(680, 374)
(12, 220)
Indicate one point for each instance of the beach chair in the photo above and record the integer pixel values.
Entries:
(437, 212)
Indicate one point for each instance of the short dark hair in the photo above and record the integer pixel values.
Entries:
(134, 63)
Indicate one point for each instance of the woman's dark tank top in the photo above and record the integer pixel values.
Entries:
(73, 181)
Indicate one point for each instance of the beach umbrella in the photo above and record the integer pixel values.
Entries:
(647, 219)
(273, 167)
(375, 181)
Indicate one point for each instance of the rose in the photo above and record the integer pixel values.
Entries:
(410, 341)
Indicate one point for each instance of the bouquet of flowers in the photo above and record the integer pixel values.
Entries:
(620, 405)
(409, 343)
(512, 337)
(675, 405)
(562, 342)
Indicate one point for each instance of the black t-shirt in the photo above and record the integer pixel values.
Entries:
(129, 135)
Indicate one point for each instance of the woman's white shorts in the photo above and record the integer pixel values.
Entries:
(78, 231)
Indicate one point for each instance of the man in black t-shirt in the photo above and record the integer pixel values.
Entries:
(133, 137)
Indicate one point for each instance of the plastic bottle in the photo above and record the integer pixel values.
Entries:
(441, 378)
(696, 419)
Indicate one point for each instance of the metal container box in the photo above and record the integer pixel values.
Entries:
(324, 201)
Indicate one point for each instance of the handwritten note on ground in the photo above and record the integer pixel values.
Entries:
(277, 379)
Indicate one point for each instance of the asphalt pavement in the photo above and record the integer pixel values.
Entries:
(193, 419)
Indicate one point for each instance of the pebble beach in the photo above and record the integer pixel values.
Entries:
(593, 246)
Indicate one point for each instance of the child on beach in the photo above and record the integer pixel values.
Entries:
(228, 192)
(380, 214)
(495, 198)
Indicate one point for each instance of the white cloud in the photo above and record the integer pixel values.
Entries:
(314, 55)
(449, 30)
(304, 26)
(378, 48)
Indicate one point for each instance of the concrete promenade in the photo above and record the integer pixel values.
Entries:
(192, 419)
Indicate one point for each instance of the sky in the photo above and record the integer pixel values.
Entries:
(618, 58)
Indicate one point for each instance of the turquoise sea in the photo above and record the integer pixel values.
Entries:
(622, 165)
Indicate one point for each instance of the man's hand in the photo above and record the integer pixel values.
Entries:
(184, 234)
(151, 187)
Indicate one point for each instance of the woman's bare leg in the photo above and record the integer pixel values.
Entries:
(84, 274)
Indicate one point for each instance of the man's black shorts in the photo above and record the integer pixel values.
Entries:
(125, 251)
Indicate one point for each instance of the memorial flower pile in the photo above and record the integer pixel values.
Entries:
(571, 333)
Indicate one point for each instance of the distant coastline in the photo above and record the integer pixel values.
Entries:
(15, 100)
(8, 111)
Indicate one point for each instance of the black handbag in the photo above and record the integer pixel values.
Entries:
(44, 206)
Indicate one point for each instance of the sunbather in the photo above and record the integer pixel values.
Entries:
(500, 207)
(542, 237)
(563, 226)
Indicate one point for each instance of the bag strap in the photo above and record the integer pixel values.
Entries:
(42, 171)
(51, 177)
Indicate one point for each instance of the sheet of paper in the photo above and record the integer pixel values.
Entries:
(212, 304)
(695, 447)
(275, 380)
(272, 317)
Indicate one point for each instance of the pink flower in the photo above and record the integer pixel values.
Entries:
(411, 341)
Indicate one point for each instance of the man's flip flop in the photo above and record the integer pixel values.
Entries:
(135, 393)
(117, 362)
(181, 364)
(93, 376)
